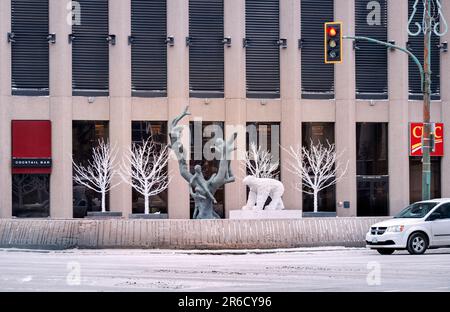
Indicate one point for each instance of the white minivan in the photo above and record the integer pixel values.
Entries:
(422, 225)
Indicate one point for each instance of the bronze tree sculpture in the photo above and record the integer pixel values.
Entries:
(202, 190)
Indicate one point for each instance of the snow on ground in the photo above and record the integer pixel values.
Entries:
(301, 269)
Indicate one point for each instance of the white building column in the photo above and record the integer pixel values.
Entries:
(120, 92)
(5, 116)
(235, 105)
(178, 98)
(61, 110)
(445, 96)
(398, 133)
(290, 64)
(345, 127)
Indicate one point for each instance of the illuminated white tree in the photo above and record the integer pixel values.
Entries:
(260, 163)
(144, 168)
(98, 173)
(317, 166)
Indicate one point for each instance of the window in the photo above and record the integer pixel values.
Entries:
(322, 132)
(444, 210)
(142, 130)
(371, 58)
(262, 30)
(317, 77)
(90, 49)
(85, 136)
(206, 51)
(202, 133)
(371, 148)
(29, 47)
(148, 48)
(31, 195)
(415, 45)
(415, 178)
(266, 135)
(372, 169)
(31, 159)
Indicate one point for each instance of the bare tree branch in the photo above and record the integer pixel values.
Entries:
(260, 163)
(98, 173)
(317, 166)
(144, 168)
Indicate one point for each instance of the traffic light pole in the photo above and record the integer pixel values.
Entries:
(392, 46)
(425, 76)
(426, 146)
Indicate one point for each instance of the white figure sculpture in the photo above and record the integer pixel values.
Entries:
(260, 189)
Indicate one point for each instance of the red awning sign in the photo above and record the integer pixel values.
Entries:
(31, 146)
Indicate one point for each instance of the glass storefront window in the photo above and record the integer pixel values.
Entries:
(31, 195)
(201, 154)
(266, 135)
(371, 148)
(373, 196)
(142, 130)
(322, 132)
(415, 178)
(85, 136)
(372, 169)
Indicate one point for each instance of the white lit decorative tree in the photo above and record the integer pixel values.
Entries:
(260, 163)
(317, 166)
(98, 173)
(144, 168)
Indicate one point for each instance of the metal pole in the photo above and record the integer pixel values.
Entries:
(392, 46)
(426, 148)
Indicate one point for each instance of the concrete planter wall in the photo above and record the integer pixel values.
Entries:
(183, 234)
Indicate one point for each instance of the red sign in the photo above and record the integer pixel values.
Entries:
(31, 146)
(415, 139)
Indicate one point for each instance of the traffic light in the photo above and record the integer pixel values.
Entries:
(333, 42)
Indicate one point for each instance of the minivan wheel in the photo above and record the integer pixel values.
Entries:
(417, 244)
(386, 251)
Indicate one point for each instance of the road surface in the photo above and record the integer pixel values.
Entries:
(306, 269)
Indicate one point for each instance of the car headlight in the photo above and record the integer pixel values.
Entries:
(395, 228)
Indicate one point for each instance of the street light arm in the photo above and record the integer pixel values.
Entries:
(393, 46)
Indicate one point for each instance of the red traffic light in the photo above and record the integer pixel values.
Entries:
(333, 42)
(332, 31)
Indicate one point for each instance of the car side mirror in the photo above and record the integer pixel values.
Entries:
(434, 216)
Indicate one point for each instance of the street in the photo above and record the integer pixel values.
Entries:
(305, 269)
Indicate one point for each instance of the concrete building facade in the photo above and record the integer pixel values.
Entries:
(290, 110)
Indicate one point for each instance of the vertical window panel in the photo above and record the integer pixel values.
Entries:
(371, 58)
(30, 47)
(90, 49)
(157, 132)
(85, 136)
(317, 77)
(319, 132)
(416, 46)
(206, 51)
(262, 29)
(202, 134)
(149, 49)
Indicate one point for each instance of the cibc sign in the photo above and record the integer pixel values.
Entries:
(415, 139)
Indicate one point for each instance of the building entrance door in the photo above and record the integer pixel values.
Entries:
(373, 196)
